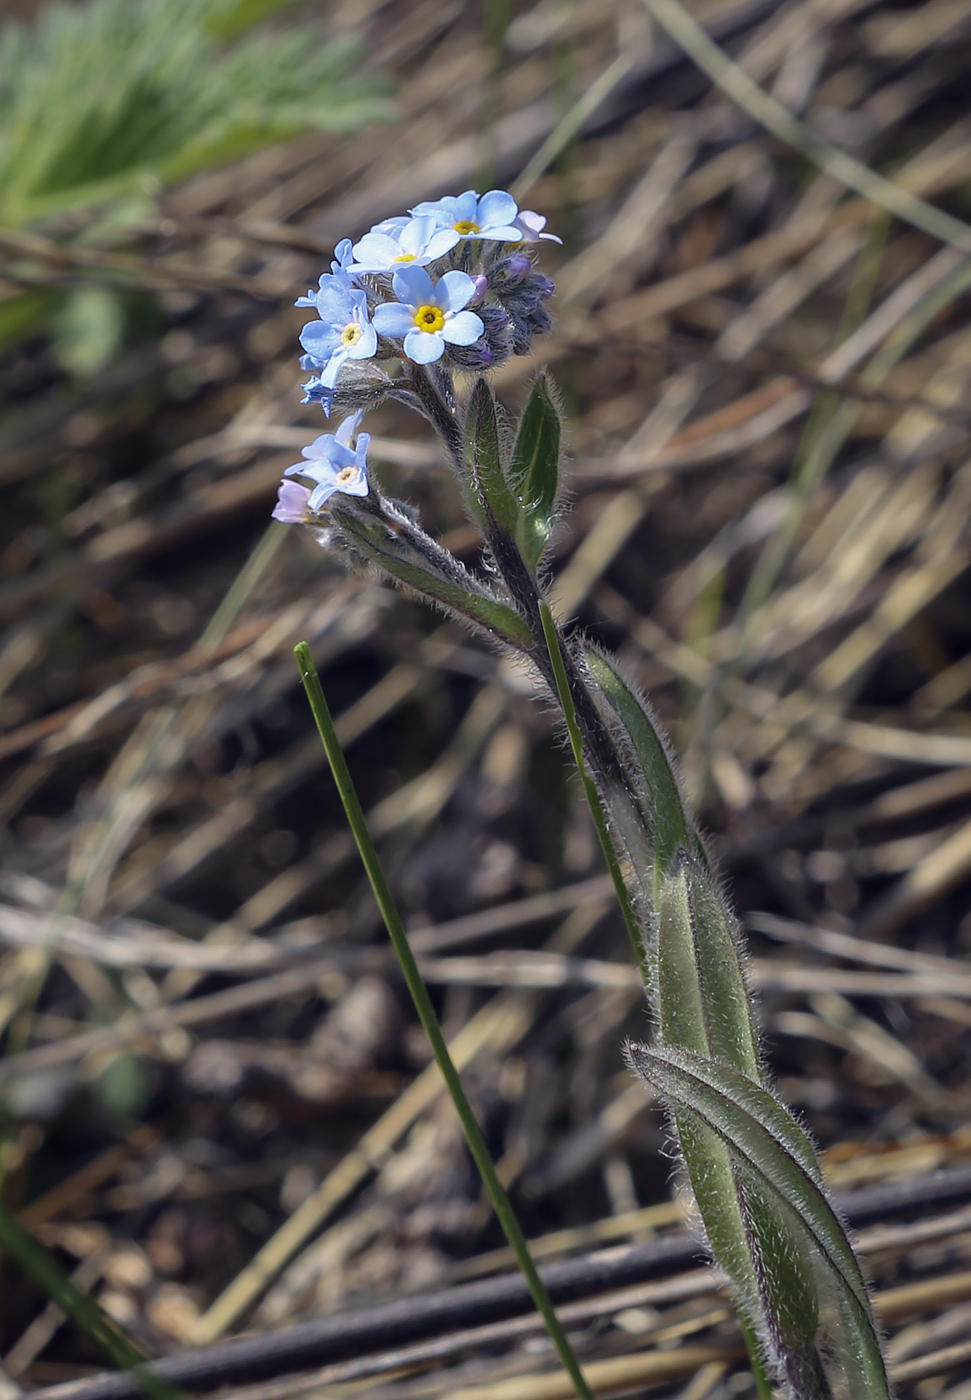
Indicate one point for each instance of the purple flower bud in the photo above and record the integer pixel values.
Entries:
(517, 267)
(291, 504)
(481, 287)
(509, 272)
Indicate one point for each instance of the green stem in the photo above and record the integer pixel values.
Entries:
(43, 1270)
(426, 1014)
(555, 649)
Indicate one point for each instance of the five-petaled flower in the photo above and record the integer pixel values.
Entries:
(343, 332)
(492, 216)
(419, 241)
(429, 315)
(334, 465)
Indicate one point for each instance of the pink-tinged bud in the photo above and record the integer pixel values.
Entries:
(517, 267)
(481, 287)
(291, 505)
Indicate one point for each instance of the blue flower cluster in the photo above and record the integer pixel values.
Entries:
(444, 283)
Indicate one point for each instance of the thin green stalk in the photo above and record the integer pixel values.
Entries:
(589, 788)
(43, 1270)
(426, 1014)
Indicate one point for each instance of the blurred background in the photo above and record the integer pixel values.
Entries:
(765, 378)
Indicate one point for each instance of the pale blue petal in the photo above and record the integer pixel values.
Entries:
(463, 207)
(415, 235)
(507, 233)
(366, 346)
(433, 208)
(391, 318)
(440, 243)
(330, 371)
(424, 347)
(320, 495)
(348, 428)
(496, 208)
(359, 488)
(455, 290)
(463, 329)
(413, 286)
(319, 339)
(334, 301)
(375, 250)
(319, 449)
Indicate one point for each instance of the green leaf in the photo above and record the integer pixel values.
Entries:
(468, 600)
(767, 1145)
(491, 500)
(656, 781)
(785, 1278)
(702, 1000)
(534, 470)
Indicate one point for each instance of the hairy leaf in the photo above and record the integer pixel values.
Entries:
(768, 1145)
(534, 469)
(490, 498)
(655, 780)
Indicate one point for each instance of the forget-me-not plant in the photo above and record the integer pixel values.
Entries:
(397, 324)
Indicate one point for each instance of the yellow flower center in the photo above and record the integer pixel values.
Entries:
(404, 257)
(465, 227)
(347, 476)
(429, 318)
(351, 333)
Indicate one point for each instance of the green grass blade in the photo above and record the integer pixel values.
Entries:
(44, 1271)
(426, 1014)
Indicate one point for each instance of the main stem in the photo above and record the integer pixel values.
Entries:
(426, 1014)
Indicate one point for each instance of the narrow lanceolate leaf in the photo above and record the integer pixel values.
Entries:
(702, 1000)
(464, 599)
(769, 1148)
(490, 497)
(655, 781)
(534, 470)
(786, 1283)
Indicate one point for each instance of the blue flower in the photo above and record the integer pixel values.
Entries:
(343, 331)
(492, 216)
(334, 465)
(429, 315)
(291, 503)
(418, 241)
